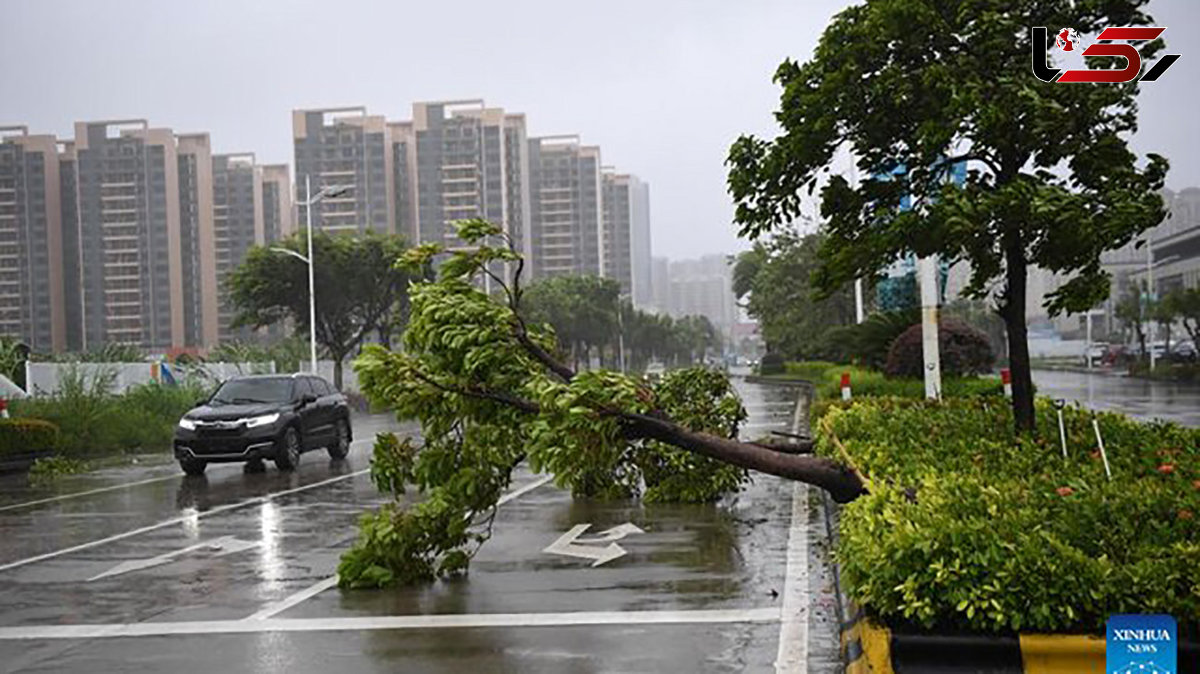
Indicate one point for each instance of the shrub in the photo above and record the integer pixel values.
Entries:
(963, 351)
(772, 363)
(22, 436)
(874, 336)
(93, 421)
(969, 527)
(826, 377)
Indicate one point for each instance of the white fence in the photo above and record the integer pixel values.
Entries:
(1056, 348)
(47, 378)
(325, 370)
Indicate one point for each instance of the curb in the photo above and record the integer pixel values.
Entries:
(869, 648)
(771, 381)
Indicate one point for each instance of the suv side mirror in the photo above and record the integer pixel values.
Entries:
(308, 399)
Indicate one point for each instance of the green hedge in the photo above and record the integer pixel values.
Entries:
(22, 436)
(871, 383)
(94, 423)
(967, 527)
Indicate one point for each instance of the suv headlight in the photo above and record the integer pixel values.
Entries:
(264, 420)
(187, 424)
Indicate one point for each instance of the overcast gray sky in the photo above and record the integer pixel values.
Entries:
(663, 86)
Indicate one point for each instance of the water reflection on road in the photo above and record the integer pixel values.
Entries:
(1141, 398)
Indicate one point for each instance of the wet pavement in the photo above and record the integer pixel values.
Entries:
(232, 572)
(1141, 398)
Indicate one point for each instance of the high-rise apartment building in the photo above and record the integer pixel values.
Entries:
(128, 216)
(238, 209)
(31, 293)
(72, 285)
(703, 287)
(566, 207)
(626, 235)
(462, 160)
(345, 147)
(277, 206)
(128, 233)
(197, 240)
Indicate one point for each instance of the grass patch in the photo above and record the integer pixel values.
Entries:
(94, 422)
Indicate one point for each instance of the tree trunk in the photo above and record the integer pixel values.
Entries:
(842, 483)
(1018, 338)
(337, 373)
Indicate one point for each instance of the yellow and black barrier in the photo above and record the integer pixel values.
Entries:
(869, 648)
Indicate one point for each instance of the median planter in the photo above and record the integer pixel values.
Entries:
(976, 542)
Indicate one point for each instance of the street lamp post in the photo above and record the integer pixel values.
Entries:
(621, 334)
(309, 201)
(1150, 296)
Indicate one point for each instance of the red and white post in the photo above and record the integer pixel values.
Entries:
(1006, 379)
(845, 386)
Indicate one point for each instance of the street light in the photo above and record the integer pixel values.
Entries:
(621, 331)
(310, 200)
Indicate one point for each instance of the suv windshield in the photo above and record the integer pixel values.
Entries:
(240, 391)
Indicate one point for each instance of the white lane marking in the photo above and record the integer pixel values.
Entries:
(566, 544)
(89, 492)
(331, 582)
(291, 600)
(225, 545)
(179, 520)
(155, 629)
(101, 490)
(792, 657)
(776, 425)
(517, 493)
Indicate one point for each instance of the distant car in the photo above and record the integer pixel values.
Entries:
(1183, 351)
(1096, 353)
(277, 417)
(655, 370)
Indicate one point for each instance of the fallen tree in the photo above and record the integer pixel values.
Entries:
(490, 392)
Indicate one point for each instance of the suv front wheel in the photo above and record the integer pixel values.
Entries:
(341, 444)
(287, 454)
(193, 466)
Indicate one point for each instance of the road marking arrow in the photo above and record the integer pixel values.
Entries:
(569, 545)
(225, 545)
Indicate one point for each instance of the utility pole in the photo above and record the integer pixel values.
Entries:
(927, 277)
(1150, 297)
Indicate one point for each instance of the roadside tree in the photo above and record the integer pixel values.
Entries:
(915, 89)
(359, 290)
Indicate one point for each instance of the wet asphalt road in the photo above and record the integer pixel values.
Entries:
(1141, 398)
(230, 573)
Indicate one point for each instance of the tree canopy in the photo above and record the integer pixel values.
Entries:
(589, 317)
(491, 389)
(359, 290)
(913, 89)
(774, 281)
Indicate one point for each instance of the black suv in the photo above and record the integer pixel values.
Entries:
(264, 417)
